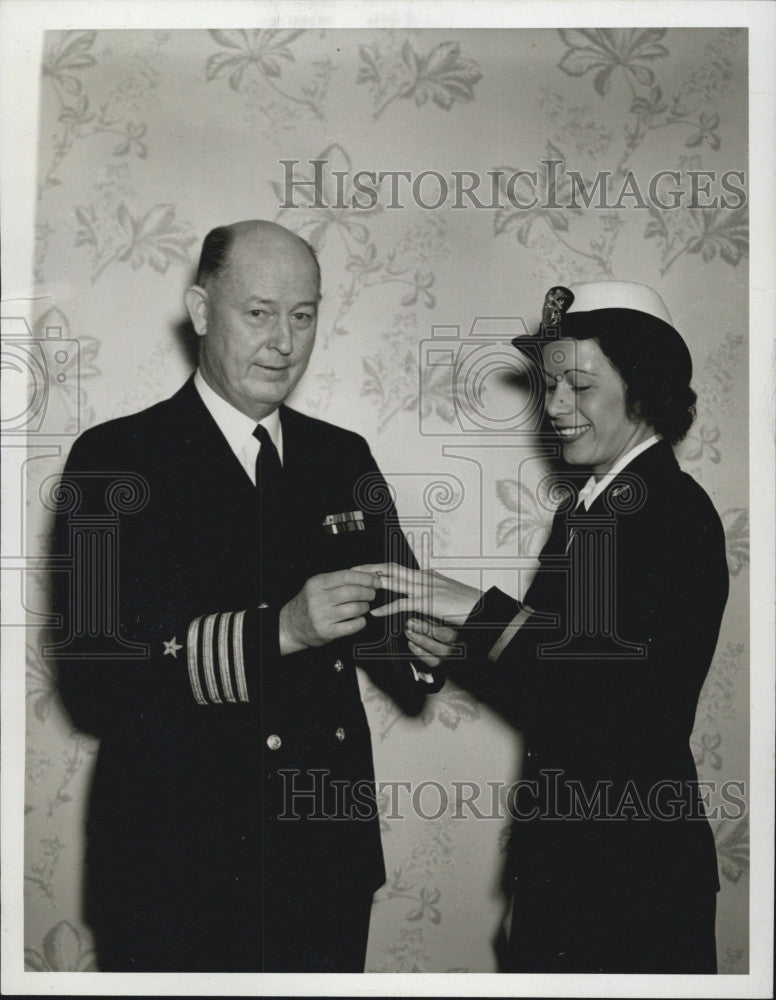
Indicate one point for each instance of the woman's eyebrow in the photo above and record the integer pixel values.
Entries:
(576, 371)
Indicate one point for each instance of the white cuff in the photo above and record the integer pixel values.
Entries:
(420, 675)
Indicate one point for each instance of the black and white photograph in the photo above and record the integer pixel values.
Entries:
(388, 498)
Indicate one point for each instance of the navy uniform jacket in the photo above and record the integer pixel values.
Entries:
(590, 710)
(187, 853)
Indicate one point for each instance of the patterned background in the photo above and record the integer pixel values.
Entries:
(149, 138)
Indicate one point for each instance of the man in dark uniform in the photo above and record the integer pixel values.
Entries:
(209, 643)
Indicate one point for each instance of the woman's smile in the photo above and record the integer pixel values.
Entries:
(571, 434)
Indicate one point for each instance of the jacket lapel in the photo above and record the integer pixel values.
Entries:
(658, 462)
(216, 467)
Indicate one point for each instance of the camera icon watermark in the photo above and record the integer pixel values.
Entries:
(468, 383)
(40, 381)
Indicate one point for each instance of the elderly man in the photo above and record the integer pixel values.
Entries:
(232, 823)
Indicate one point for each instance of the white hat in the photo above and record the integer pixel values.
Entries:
(572, 311)
(592, 295)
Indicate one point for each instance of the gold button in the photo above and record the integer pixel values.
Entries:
(274, 742)
(339, 666)
(340, 734)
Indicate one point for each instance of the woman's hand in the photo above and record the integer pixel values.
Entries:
(431, 644)
(427, 593)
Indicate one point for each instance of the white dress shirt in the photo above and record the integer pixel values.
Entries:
(237, 428)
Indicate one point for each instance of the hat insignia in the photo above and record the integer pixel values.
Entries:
(556, 302)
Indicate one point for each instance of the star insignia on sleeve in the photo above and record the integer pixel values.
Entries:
(172, 647)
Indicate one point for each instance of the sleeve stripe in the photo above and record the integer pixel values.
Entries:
(207, 655)
(223, 655)
(217, 637)
(239, 659)
(510, 632)
(192, 642)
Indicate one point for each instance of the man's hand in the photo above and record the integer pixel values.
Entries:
(329, 606)
(427, 592)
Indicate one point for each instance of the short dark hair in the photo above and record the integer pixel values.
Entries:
(215, 254)
(215, 251)
(654, 364)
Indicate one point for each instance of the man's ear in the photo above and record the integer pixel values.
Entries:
(196, 299)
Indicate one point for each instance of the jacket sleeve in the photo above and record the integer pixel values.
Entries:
(131, 651)
(671, 586)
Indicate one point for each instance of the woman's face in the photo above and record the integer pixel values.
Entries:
(586, 404)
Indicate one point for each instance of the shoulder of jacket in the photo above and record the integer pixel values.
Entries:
(325, 431)
(685, 504)
(135, 430)
(697, 499)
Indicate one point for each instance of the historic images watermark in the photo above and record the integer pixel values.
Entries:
(551, 185)
(42, 403)
(40, 374)
(552, 795)
(40, 380)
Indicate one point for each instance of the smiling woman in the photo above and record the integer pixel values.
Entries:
(603, 663)
(586, 403)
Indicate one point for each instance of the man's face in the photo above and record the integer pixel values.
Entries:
(260, 320)
(586, 404)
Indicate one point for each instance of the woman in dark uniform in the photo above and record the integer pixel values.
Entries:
(612, 859)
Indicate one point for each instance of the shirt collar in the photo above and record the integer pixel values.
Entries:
(593, 489)
(236, 427)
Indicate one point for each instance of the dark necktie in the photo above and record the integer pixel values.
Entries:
(268, 468)
(269, 484)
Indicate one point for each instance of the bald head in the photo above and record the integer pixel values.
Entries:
(258, 235)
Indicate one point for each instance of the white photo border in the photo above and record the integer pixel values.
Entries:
(22, 23)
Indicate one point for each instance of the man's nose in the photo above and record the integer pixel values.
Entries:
(281, 336)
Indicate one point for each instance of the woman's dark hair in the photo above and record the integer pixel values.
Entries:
(652, 360)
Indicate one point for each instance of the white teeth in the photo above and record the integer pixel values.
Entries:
(569, 432)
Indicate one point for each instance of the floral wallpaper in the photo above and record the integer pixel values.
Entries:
(147, 139)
